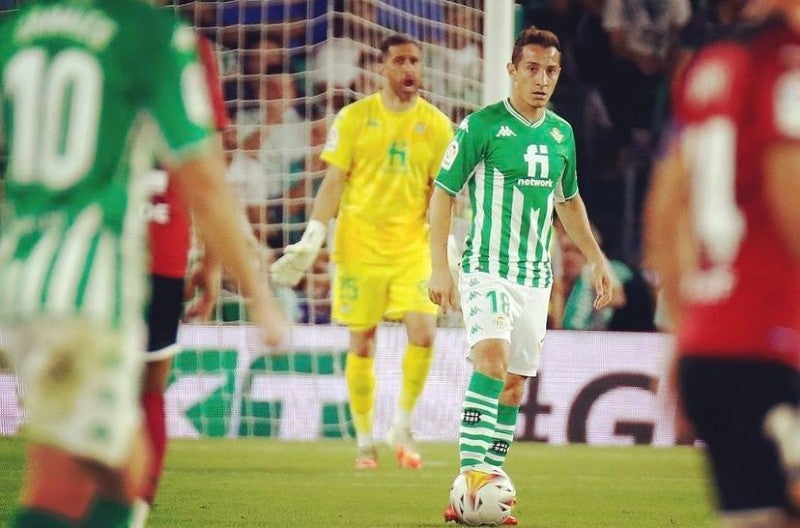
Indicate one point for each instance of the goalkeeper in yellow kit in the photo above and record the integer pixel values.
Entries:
(383, 153)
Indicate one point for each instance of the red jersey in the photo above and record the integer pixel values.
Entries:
(170, 236)
(732, 102)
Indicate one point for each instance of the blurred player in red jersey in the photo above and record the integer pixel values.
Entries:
(724, 232)
(170, 241)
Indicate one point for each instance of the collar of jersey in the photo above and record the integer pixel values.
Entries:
(527, 122)
(396, 112)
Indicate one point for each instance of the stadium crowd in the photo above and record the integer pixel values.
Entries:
(287, 67)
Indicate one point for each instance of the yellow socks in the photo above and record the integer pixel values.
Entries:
(416, 365)
(359, 373)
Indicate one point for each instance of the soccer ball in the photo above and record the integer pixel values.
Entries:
(483, 496)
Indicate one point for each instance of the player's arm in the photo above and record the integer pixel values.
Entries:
(203, 281)
(338, 154)
(781, 167)
(215, 207)
(458, 164)
(441, 288)
(202, 288)
(298, 258)
(778, 121)
(329, 196)
(572, 214)
(668, 238)
(176, 95)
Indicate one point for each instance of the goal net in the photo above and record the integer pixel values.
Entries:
(287, 68)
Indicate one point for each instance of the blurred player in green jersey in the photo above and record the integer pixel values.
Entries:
(90, 91)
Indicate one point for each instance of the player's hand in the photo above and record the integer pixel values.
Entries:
(442, 290)
(202, 286)
(263, 311)
(298, 258)
(603, 280)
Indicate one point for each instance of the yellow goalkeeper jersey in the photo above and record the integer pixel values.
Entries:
(391, 159)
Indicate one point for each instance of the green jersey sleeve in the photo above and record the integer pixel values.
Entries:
(568, 186)
(177, 94)
(460, 158)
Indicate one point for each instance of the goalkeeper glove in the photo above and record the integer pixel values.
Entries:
(298, 258)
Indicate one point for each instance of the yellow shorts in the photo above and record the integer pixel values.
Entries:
(365, 294)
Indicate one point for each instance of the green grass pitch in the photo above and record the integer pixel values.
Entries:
(269, 483)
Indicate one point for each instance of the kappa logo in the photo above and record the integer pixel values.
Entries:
(499, 447)
(505, 132)
(471, 416)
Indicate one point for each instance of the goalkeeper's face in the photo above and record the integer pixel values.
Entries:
(402, 70)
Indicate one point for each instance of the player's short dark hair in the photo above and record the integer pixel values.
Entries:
(535, 36)
(398, 39)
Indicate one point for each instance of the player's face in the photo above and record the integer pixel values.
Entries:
(535, 76)
(402, 69)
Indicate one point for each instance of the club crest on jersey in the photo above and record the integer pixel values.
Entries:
(450, 155)
(502, 322)
(505, 132)
(420, 128)
(557, 135)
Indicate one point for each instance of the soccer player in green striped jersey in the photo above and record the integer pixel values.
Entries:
(90, 91)
(517, 161)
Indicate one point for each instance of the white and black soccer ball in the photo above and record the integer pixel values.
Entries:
(483, 496)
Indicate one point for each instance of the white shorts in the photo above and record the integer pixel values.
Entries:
(80, 384)
(496, 308)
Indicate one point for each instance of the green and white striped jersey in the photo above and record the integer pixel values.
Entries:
(514, 170)
(82, 83)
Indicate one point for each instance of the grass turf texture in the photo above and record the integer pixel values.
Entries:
(269, 483)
